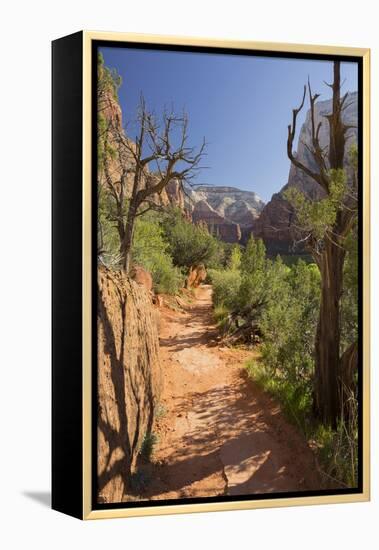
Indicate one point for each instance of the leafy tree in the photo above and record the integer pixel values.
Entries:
(234, 262)
(254, 257)
(189, 244)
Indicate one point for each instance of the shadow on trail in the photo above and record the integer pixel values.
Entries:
(231, 433)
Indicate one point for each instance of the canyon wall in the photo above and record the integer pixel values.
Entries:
(129, 378)
(274, 224)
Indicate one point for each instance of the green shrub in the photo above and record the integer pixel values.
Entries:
(147, 446)
(220, 314)
(226, 286)
(289, 321)
(235, 258)
(151, 251)
(349, 302)
(190, 244)
(295, 399)
(337, 450)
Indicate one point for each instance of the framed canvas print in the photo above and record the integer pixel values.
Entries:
(210, 275)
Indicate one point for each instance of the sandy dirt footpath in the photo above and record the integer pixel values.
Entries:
(218, 434)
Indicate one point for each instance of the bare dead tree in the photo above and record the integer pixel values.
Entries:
(330, 253)
(144, 167)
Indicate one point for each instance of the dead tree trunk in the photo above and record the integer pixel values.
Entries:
(157, 144)
(327, 344)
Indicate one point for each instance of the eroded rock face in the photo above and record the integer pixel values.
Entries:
(234, 204)
(226, 230)
(275, 225)
(129, 379)
(196, 276)
(228, 212)
(142, 277)
(175, 194)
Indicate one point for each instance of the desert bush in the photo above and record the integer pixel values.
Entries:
(295, 399)
(151, 251)
(190, 244)
(226, 286)
(147, 446)
(234, 258)
(349, 302)
(221, 314)
(289, 321)
(336, 450)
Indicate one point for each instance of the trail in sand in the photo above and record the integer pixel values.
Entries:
(220, 434)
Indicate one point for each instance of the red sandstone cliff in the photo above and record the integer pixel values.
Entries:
(129, 378)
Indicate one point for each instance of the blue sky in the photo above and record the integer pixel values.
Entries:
(242, 105)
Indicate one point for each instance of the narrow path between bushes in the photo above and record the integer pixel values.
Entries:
(217, 432)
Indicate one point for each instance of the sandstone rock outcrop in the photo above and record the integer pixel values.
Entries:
(275, 225)
(227, 211)
(129, 379)
(217, 225)
(196, 276)
(142, 277)
(234, 204)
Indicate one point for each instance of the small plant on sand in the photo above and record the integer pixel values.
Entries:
(160, 411)
(220, 314)
(295, 400)
(336, 450)
(147, 446)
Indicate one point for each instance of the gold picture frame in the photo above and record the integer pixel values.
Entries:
(84, 368)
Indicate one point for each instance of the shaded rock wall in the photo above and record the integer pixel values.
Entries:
(129, 378)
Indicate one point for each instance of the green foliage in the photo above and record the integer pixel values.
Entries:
(337, 450)
(220, 314)
(253, 288)
(160, 411)
(318, 217)
(108, 237)
(189, 244)
(254, 257)
(261, 279)
(147, 447)
(151, 251)
(234, 261)
(353, 157)
(108, 79)
(349, 302)
(289, 322)
(226, 285)
(286, 365)
(296, 400)
(108, 84)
